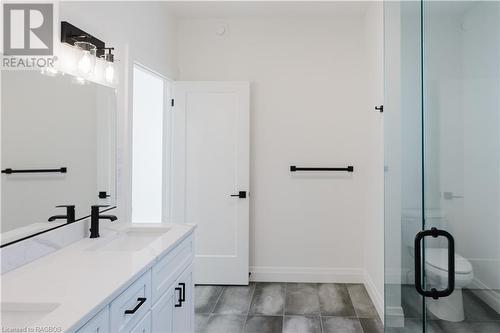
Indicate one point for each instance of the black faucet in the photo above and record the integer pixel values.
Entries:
(70, 214)
(95, 217)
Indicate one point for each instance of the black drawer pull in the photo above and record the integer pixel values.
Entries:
(141, 301)
(180, 298)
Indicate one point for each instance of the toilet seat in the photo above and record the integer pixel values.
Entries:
(437, 258)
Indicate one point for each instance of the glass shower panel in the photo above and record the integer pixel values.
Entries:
(461, 80)
(403, 163)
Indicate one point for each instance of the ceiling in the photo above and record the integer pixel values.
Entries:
(266, 9)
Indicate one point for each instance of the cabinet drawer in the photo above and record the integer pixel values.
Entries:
(128, 308)
(168, 268)
(144, 325)
(99, 323)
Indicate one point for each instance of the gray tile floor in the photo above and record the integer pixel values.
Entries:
(479, 317)
(285, 307)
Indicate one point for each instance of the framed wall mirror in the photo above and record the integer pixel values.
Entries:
(58, 149)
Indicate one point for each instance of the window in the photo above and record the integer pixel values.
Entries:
(148, 145)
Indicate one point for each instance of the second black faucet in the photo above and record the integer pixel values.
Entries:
(69, 217)
(95, 216)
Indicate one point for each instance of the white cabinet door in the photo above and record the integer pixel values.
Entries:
(98, 324)
(183, 321)
(163, 312)
(144, 326)
(168, 268)
(210, 152)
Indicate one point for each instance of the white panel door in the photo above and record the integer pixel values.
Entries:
(211, 166)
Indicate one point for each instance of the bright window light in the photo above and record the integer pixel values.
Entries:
(147, 147)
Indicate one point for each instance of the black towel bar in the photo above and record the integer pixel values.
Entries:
(294, 168)
(11, 171)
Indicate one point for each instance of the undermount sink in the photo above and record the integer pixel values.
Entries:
(20, 315)
(131, 239)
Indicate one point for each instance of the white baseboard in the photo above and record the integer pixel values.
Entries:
(394, 316)
(377, 296)
(306, 274)
(490, 297)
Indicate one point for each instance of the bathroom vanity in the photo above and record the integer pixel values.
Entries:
(134, 278)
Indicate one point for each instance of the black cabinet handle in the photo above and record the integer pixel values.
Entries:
(434, 293)
(141, 301)
(183, 295)
(178, 305)
(241, 194)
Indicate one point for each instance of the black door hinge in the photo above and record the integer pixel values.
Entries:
(380, 108)
(172, 102)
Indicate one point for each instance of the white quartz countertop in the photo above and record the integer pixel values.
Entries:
(82, 282)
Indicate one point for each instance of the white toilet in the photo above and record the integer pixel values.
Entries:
(436, 266)
(449, 308)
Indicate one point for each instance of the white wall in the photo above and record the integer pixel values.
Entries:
(374, 156)
(481, 136)
(309, 106)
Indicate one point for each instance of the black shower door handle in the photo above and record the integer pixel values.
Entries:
(435, 294)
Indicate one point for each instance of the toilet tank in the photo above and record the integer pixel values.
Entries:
(411, 222)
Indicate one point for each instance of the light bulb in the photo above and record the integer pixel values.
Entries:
(85, 63)
(109, 72)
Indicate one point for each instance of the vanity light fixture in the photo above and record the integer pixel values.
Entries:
(91, 49)
(72, 35)
(109, 69)
(86, 63)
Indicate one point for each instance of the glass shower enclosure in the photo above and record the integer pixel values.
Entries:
(442, 166)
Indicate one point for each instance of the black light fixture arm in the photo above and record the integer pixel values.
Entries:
(109, 56)
(71, 34)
